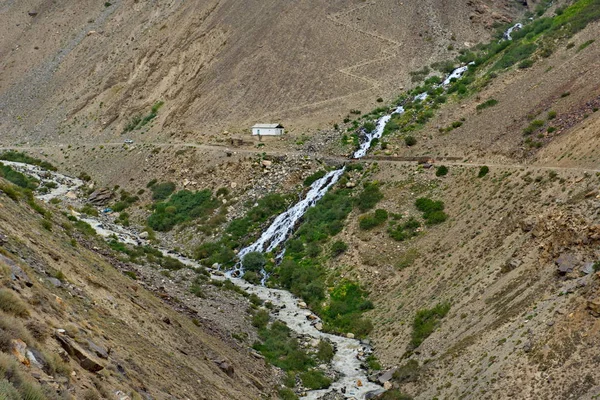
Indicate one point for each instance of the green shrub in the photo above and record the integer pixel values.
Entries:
(254, 261)
(404, 231)
(426, 321)
(585, 44)
(527, 63)
(287, 394)
(369, 126)
(372, 220)
(442, 170)
(325, 351)
(260, 319)
(369, 197)
(433, 211)
(551, 115)
(515, 53)
(338, 248)
(486, 104)
(10, 191)
(410, 140)
(314, 177)
(10, 303)
(161, 191)
(315, 379)
(483, 171)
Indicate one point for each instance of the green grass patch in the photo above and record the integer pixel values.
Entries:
(426, 322)
(182, 206)
(372, 220)
(486, 104)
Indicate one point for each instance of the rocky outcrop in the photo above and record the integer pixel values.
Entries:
(85, 359)
(100, 197)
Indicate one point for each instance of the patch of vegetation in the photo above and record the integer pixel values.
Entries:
(585, 44)
(369, 197)
(315, 379)
(394, 394)
(17, 178)
(405, 231)
(407, 259)
(137, 122)
(442, 170)
(281, 349)
(483, 171)
(426, 321)
(408, 372)
(338, 247)
(372, 220)
(11, 304)
(125, 201)
(433, 211)
(410, 140)
(161, 191)
(314, 177)
(182, 206)
(486, 104)
(343, 314)
(533, 126)
(24, 158)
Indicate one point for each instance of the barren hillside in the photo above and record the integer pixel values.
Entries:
(80, 71)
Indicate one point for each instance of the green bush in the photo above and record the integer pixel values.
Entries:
(408, 372)
(372, 220)
(162, 191)
(325, 351)
(260, 319)
(410, 140)
(483, 171)
(10, 303)
(433, 211)
(486, 104)
(442, 170)
(551, 115)
(527, 63)
(404, 231)
(254, 261)
(369, 197)
(287, 394)
(426, 321)
(314, 177)
(315, 379)
(338, 248)
(515, 53)
(369, 126)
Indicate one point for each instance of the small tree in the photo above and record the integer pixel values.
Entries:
(483, 171)
(254, 261)
(442, 170)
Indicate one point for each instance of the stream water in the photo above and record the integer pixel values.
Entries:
(349, 353)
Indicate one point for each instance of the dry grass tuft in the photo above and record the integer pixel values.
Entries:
(11, 304)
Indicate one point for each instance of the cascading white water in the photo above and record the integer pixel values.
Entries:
(509, 31)
(282, 226)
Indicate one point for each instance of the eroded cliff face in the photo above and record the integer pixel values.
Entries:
(82, 71)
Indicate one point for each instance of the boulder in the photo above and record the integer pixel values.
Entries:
(350, 335)
(225, 367)
(85, 359)
(18, 348)
(566, 263)
(144, 235)
(587, 268)
(387, 385)
(386, 376)
(100, 196)
(594, 307)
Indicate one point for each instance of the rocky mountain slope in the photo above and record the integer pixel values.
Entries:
(80, 71)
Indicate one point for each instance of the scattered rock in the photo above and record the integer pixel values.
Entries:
(587, 268)
(387, 385)
(18, 348)
(144, 235)
(319, 326)
(527, 224)
(350, 335)
(510, 265)
(225, 367)
(386, 376)
(32, 13)
(302, 304)
(55, 282)
(16, 273)
(350, 184)
(594, 307)
(86, 360)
